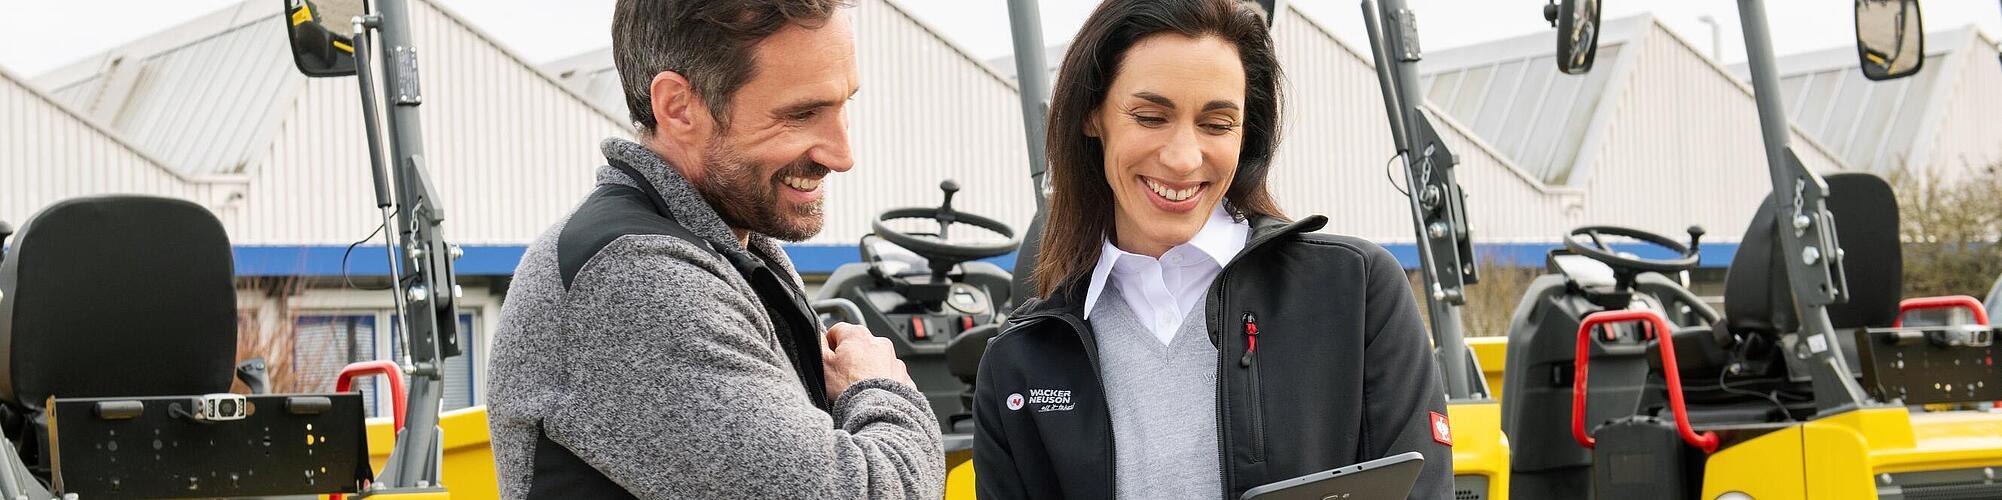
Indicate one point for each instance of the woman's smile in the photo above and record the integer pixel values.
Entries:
(1173, 197)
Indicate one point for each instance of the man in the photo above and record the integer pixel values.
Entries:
(655, 343)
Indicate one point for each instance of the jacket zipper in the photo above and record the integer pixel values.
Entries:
(1085, 337)
(1257, 406)
(1216, 325)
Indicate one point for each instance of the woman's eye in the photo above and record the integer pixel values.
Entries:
(1220, 128)
(1150, 121)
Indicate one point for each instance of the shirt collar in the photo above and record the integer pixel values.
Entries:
(1221, 237)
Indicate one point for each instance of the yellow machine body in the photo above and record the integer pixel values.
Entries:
(469, 455)
(1841, 456)
(1837, 457)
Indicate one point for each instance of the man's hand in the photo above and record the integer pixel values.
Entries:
(852, 355)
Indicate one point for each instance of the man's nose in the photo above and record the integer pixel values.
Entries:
(833, 151)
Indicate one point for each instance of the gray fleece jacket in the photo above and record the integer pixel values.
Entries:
(658, 367)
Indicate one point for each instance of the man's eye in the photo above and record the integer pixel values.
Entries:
(803, 115)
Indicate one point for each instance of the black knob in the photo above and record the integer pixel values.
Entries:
(1550, 12)
(1695, 238)
(950, 188)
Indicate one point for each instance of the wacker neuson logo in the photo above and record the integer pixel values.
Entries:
(1047, 400)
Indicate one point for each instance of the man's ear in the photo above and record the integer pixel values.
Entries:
(679, 114)
(1092, 128)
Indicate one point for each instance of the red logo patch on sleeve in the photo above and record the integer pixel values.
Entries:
(1442, 431)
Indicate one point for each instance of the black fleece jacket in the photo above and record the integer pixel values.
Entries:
(1341, 373)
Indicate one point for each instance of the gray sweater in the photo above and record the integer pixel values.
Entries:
(659, 368)
(1163, 403)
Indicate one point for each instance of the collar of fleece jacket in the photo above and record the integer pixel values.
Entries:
(688, 206)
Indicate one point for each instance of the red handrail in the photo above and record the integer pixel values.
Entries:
(1947, 302)
(385, 368)
(1706, 441)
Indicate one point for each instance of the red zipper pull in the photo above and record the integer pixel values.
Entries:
(1250, 338)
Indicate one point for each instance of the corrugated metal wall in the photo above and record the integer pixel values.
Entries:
(1683, 147)
(926, 112)
(1337, 142)
(48, 153)
(1970, 135)
(508, 149)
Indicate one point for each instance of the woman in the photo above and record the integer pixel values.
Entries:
(1189, 340)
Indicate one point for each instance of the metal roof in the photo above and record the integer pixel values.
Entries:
(593, 75)
(202, 107)
(206, 96)
(1510, 93)
(1828, 97)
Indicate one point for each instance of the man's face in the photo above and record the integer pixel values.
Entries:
(787, 130)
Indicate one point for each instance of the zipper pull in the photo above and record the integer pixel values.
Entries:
(1250, 338)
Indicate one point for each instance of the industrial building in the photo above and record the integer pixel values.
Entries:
(1658, 137)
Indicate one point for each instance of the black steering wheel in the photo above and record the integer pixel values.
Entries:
(936, 249)
(1595, 247)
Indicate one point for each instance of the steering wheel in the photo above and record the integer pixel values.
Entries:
(938, 250)
(1596, 248)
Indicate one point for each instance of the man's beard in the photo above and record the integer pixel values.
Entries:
(732, 186)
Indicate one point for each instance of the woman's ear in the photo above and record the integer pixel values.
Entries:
(1092, 128)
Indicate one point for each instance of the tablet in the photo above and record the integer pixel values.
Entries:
(1387, 478)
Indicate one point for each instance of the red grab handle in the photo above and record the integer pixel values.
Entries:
(388, 370)
(1947, 302)
(1706, 441)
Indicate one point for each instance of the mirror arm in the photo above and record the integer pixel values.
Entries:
(425, 286)
(1438, 213)
(1805, 228)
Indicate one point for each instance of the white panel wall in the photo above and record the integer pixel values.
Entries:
(48, 154)
(508, 149)
(1683, 147)
(926, 112)
(1337, 141)
(1970, 135)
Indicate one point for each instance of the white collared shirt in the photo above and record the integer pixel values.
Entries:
(1161, 292)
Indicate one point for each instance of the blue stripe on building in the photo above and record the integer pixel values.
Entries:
(500, 260)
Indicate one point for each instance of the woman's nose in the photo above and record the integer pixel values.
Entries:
(1182, 154)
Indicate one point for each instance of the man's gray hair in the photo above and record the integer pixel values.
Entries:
(709, 42)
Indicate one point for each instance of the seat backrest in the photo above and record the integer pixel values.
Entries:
(1757, 297)
(117, 296)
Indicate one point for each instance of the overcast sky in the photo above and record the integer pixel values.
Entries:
(40, 35)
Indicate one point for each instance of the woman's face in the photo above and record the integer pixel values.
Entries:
(1172, 129)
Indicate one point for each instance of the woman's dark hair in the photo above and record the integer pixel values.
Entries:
(1081, 200)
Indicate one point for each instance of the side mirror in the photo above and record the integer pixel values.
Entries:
(1577, 23)
(1890, 39)
(321, 35)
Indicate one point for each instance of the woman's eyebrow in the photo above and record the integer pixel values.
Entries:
(1219, 104)
(1158, 99)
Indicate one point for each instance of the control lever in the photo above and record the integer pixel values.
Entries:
(254, 376)
(945, 215)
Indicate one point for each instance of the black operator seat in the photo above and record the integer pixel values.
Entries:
(1757, 297)
(114, 296)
